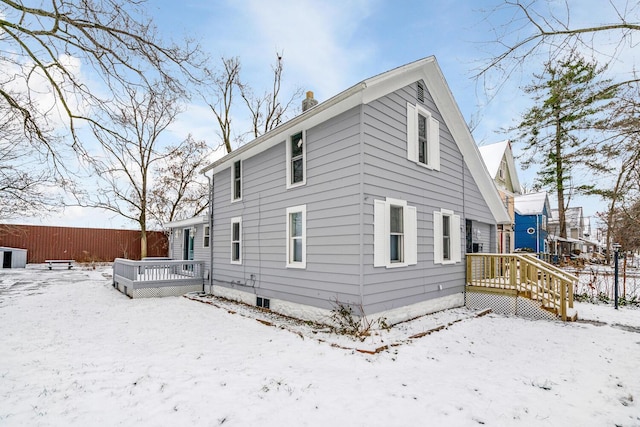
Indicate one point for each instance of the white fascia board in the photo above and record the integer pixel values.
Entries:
(451, 114)
(310, 118)
(513, 171)
(186, 222)
(385, 83)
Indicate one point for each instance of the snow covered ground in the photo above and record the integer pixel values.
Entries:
(74, 351)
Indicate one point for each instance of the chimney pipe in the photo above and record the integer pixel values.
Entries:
(308, 102)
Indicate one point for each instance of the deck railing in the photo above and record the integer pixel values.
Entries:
(131, 276)
(525, 275)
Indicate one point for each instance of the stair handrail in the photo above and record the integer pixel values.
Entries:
(564, 297)
(553, 285)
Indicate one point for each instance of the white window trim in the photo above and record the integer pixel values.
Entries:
(433, 137)
(454, 239)
(233, 181)
(205, 235)
(236, 220)
(304, 160)
(382, 233)
(299, 264)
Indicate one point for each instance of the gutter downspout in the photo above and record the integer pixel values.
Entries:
(210, 179)
(538, 234)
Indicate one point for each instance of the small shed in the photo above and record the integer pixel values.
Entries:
(13, 257)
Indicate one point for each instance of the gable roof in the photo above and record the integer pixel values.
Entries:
(532, 203)
(492, 155)
(426, 69)
(572, 216)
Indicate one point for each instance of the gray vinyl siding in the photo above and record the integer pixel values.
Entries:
(352, 160)
(388, 173)
(200, 253)
(331, 196)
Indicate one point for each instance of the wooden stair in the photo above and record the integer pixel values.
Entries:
(505, 278)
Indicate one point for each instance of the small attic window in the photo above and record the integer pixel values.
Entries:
(502, 172)
(420, 94)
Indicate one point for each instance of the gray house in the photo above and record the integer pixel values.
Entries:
(368, 199)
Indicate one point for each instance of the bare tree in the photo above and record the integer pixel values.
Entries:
(265, 111)
(125, 164)
(179, 191)
(26, 189)
(43, 43)
(224, 84)
(623, 151)
(537, 28)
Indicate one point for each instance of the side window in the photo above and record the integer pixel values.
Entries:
(296, 237)
(205, 237)
(296, 160)
(423, 137)
(236, 181)
(395, 234)
(446, 237)
(236, 240)
(502, 172)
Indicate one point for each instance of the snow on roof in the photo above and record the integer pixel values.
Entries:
(492, 155)
(187, 222)
(530, 204)
(572, 216)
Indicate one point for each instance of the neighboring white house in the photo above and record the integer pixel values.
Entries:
(367, 199)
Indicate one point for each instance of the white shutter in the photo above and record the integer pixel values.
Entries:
(456, 243)
(411, 235)
(379, 237)
(437, 237)
(434, 143)
(412, 133)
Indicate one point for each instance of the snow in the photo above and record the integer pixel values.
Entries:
(492, 155)
(74, 351)
(530, 203)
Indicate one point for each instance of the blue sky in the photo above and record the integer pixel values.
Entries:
(330, 45)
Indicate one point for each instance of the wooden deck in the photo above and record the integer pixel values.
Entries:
(157, 277)
(525, 276)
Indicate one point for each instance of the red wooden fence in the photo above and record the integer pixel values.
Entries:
(80, 244)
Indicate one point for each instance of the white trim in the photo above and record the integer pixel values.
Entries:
(236, 220)
(382, 233)
(206, 235)
(432, 135)
(455, 251)
(304, 160)
(233, 180)
(296, 264)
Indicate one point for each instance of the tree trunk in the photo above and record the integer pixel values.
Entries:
(560, 184)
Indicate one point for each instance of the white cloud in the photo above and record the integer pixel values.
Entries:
(317, 39)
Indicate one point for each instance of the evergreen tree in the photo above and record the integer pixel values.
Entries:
(556, 132)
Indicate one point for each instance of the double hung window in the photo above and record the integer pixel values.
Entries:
(236, 181)
(296, 160)
(446, 237)
(395, 234)
(236, 240)
(296, 237)
(205, 237)
(423, 137)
